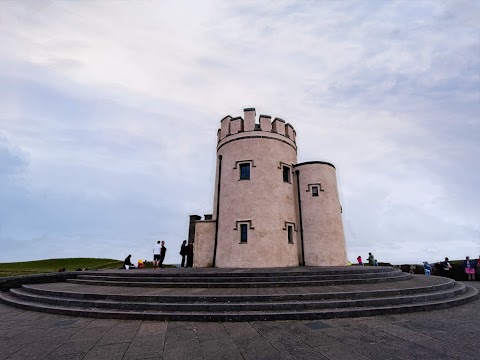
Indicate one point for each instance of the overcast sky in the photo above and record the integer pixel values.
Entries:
(109, 112)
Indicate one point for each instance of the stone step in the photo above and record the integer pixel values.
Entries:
(238, 307)
(282, 294)
(160, 283)
(238, 279)
(307, 314)
(270, 272)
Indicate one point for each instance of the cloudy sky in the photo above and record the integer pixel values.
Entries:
(109, 112)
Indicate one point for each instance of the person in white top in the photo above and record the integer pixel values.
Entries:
(156, 254)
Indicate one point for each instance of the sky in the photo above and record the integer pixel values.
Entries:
(109, 112)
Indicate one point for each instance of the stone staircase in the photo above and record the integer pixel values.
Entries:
(241, 294)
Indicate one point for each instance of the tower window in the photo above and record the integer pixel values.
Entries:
(286, 174)
(314, 190)
(290, 233)
(245, 171)
(243, 233)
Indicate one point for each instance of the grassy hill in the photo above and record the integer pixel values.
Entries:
(43, 266)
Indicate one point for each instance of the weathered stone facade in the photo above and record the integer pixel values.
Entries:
(269, 211)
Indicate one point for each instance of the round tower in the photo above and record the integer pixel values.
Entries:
(320, 214)
(257, 223)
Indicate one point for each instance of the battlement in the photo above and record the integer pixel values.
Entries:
(230, 126)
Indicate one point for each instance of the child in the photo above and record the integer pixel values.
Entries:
(359, 259)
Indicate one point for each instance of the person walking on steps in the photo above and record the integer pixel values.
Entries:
(183, 252)
(163, 251)
(156, 254)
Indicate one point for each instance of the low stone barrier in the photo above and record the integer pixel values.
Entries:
(8, 282)
(457, 273)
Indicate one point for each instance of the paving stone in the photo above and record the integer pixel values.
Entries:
(90, 334)
(65, 356)
(287, 343)
(220, 348)
(7, 350)
(143, 352)
(77, 347)
(335, 350)
(107, 352)
(119, 334)
(181, 342)
(37, 350)
(250, 343)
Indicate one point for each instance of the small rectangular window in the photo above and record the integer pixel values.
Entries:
(243, 233)
(286, 174)
(290, 233)
(314, 190)
(245, 171)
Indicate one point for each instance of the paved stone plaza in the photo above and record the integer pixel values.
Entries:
(442, 334)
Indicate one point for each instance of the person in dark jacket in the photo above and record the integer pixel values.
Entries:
(163, 251)
(127, 263)
(446, 268)
(184, 252)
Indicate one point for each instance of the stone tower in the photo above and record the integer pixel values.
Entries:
(268, 210)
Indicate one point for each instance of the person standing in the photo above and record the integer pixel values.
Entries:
(156, 254)
(183, 252)
(447, 268)
(478, 265)
(371, 259)
(469, 268)
(163, 251)
(427, 267)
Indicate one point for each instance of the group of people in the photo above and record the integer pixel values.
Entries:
(159, 252)
(371, 260)
(470, 268)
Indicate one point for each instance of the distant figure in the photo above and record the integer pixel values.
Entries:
(359, 259)
(163, 251)
(140, 264)
(183, 252)
(128, 263)
(478, 265)
(376, 262)
(427, 267)
(371, 259)
(469, 268)
(156, 254)
(446, 268)
(190, 255)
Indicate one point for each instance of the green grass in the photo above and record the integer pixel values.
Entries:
(44, 266)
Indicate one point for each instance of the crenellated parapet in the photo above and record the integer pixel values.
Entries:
(232, 126)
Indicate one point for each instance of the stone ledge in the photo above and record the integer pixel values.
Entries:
(9, 282)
